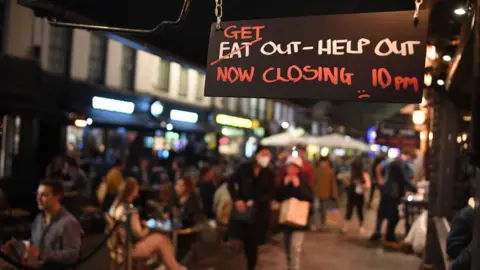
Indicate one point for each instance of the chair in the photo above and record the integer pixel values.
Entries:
(115, 244)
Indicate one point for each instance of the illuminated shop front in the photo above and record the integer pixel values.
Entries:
(111, 124)
(238, 136)
(107, 128)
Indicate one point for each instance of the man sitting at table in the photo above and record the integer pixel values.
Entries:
(56, 235)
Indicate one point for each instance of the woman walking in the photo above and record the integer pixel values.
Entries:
(294, 185)
(356, 190)
(252, 187)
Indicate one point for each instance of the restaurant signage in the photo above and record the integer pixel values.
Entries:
(377, 57)
(401, 138)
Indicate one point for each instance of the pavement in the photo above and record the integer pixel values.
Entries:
(329, 250)
(332, 250)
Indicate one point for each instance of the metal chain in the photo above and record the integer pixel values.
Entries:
(418, 3)
(219, 12)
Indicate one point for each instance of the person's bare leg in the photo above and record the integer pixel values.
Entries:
(167, 252)
(160, 245)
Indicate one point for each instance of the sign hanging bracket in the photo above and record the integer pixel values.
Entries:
(418, 3)
(219, 13)
(183, 14)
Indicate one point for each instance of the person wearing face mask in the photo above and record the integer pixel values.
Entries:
(252, 187)
(307, 167)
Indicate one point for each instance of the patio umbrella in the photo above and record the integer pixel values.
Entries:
(286, 138)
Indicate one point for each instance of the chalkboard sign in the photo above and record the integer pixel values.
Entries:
(376, 57)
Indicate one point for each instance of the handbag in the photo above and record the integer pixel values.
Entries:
(247, 216)
(294, 212)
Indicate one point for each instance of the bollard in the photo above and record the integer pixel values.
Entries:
(128, 237)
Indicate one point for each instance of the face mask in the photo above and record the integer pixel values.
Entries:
(263, 161)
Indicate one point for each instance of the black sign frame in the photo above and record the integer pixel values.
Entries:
(340, 74)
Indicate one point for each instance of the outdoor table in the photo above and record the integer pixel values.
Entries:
(412, 207)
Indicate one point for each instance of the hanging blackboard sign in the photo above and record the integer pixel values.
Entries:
(376, 57)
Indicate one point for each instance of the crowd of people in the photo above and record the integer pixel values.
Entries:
(242, 196)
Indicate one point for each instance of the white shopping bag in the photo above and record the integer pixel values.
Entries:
(294, 212)
(417, 236)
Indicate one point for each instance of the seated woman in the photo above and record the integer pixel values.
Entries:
(184, 208)
(145, 244)
(185, 212)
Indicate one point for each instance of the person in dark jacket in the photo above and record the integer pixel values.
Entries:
(379, 159)
(185, 208)
(460, 238)
(207, 191)
(252, 187)
(186, 213)
(294, 185)
(397, 180)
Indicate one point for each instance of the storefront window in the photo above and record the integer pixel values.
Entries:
(10, 135)
(183, 85)
(284, 116)
(232, 141)
(58, 50)
(97, 58)
(74, 140)
(128, 67)
(253, 108)
(232, 102)
(278, 112)
(270, 108)
(245, 106)
(200, 87)
(94, 145)
(261, 109)
(163, 75)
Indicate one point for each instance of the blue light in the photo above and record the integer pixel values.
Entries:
(121, 130)
(371, 134)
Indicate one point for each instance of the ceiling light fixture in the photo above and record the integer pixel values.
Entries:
(460, 11)
(447, 58)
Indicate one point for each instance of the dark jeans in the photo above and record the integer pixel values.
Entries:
(388, 209)
(355, 201)
(250, 247)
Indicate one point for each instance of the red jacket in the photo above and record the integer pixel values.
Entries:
(307, 170)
